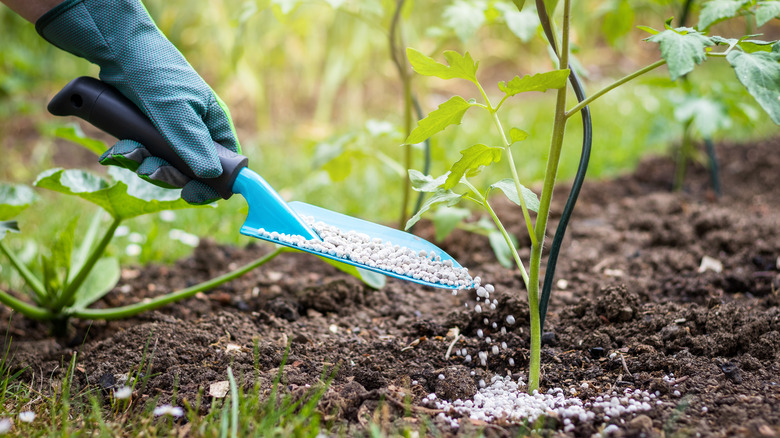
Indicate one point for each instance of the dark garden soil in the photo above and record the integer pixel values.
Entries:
(628, 283)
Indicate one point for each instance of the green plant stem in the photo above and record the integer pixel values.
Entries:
(551, 172)
(28, 310)
(612, 86)
(70, 291)
(134, 309)
(508, 148)
(484, 203)
(32, 280)
(399, 59)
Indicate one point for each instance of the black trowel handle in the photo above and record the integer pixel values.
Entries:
(106, 108)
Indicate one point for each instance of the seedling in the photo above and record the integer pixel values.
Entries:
(682, 49)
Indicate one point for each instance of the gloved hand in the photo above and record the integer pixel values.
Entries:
(137, 59)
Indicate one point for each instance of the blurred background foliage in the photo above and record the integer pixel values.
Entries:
(318, 102)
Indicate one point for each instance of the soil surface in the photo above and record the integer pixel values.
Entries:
(632, 308)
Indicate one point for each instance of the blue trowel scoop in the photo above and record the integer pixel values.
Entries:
(106, 108)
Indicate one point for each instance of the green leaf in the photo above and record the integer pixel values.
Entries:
(508, 187)
(449, 113)
(471, 163)
(516, 135)
(425, 183)
(446, 219)
(372, 279)
(62, 250)
(519, 4)
(759, 72)
(648, 29)
(101, 279)
(73, 132)
(459, 66)
(8, 227)
(718, 10)
(744, 43)
(523, 23)
(501, 249)
(128, 197)
(464, 18)
(550, 80)
(14, 198)
(766, 11)
(707, 116)
(682, 48)
(446, 197)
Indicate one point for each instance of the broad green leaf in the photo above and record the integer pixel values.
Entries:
(73, 132)
(714, 11)
(339, 167)
(446, 197)
(550, 80)
(682, 48)
(471, 163)
(759, 72)
(501, 249)
(766, 11)
(464, 17)
(449, 113)
(425, 183)
(445, 219)
(508, 187)
(706, 115)
(370, 278)
(516, 134)
(460, 66)
(13, 199)
(128, 197)
(8, 227)
(103, 277)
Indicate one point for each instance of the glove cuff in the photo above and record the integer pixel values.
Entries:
(52, 15)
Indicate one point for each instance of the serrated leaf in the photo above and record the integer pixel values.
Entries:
(449, 113)
(372, 279)
(459, 66)
(441, 196)
(501, 249)
(8, 227)
(73, 132)
(101, 279)
(464, 17)
(516, 134)
(425, 183)
(128, 197)
(550, 80)
(759, 72)
(714, 11)
(508, 187)
(14, 198)
(766, 11)
(446, 219)
(682, 48)
(471, 162)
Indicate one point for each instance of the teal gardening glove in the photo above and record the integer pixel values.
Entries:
(136, 58)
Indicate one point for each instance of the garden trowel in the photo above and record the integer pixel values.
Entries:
(106, 108)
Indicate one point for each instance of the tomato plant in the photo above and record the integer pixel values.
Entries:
(755, 63)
